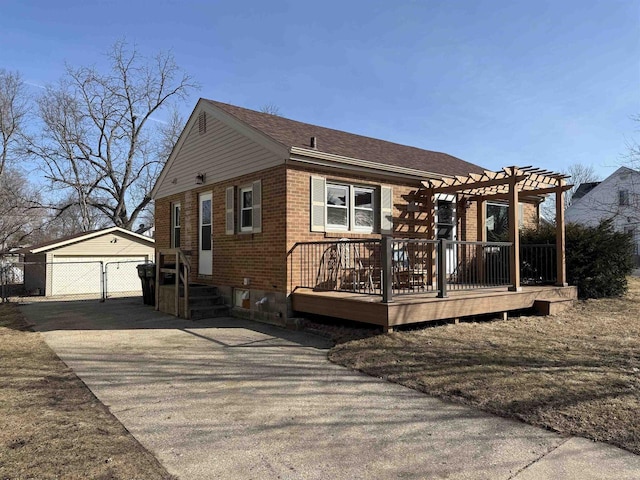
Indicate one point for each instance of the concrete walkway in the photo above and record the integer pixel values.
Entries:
(233, 399)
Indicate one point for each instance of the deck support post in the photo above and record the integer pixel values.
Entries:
(387, 269)
(514, 232)
(442, 268)
(561, 267)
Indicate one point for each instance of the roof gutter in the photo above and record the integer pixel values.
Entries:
(321, 158)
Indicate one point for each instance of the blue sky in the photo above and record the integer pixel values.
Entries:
(496, 83)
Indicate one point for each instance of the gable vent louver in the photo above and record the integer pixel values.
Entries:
(202, 123)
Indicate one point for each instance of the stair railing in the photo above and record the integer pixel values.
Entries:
(180, 270)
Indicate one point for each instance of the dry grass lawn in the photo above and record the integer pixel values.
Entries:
(51, 425)
(576, 373)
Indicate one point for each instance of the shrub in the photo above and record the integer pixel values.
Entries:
(598, 258)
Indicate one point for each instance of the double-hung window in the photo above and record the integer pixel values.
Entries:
(246, 209)
(350, 208)
(363, 208)
(243, 207)
(343, 207)
(338, 207)
(175, 225)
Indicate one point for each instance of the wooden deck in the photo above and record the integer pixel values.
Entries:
(424, 307)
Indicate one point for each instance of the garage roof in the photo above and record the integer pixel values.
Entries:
(81, 237)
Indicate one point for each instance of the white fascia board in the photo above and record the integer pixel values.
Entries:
(90, 235)
(176, 148)
(305, 155)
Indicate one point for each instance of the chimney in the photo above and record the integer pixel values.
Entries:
(314, 143)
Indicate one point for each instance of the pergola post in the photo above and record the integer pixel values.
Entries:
(481, 225)
(431, 260)
(514, 234)
(561, 272)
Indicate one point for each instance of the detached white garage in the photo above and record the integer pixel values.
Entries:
(101, 262)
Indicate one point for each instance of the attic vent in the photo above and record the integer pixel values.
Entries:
(313, 143)
(202, 122)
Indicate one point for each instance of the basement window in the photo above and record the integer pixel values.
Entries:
(241, 298)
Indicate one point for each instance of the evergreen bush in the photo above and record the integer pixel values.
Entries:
(598, 258)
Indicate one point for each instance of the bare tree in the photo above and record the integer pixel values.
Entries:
(20, 212)
(579, 174)
(66, 218)
(13, 111)
(631, 158)
(100, 140)
(271, 109)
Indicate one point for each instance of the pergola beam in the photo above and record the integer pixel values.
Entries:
(522, 194)
(464, 187)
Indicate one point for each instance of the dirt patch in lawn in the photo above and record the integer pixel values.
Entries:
(51, 425)
(577, 372)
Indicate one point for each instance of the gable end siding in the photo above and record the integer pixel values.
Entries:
(221, 153)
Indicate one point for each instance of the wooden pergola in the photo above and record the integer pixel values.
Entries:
(510, 184)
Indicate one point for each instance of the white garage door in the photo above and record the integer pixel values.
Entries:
(76, 275)
(121, 276)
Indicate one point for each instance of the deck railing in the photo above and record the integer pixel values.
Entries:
(475, 265)
(538, 264)
(414, 265)
(345, 265)
(389, 266)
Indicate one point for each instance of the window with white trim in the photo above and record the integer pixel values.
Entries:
(175, 225)
(363, 216)
(343, 207)
(338, 206)
(243, 209)
(246, 209)
(349, 208)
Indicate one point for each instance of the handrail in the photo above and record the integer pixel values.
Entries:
(181, 271)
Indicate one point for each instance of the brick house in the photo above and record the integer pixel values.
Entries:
(242, 191)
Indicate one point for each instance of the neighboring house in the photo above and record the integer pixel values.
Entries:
(80, 264)
(617, 198)
(243, 190)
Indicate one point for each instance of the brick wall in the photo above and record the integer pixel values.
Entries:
(261, 257)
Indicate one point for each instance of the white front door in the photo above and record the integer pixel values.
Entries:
(205, 258)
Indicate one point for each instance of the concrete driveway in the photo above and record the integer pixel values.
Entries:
(233, 399)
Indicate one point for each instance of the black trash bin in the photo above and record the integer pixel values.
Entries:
(147, 274)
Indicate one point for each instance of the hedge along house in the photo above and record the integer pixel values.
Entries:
(283, 217)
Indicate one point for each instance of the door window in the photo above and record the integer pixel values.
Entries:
(205, 227)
